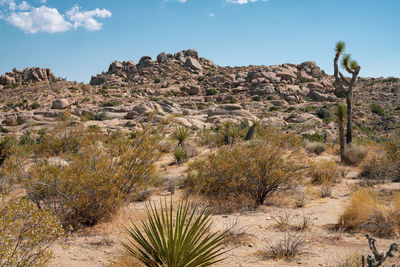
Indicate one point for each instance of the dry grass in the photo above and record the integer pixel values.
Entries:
(363, 204)
(354, 154)
(324, 172)
(350, 260)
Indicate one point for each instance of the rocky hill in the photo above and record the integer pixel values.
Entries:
(198, 94)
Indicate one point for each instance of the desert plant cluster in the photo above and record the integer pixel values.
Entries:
(218, 186)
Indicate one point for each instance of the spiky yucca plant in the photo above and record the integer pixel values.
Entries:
(181, 134)
(175, 239)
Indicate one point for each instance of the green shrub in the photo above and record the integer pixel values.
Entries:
(26, 233)
(4, 130)
(157, 80)
(256, 98)
(377, 109)
(34, 105)
(254, 170)
(315, 137)
(178, 238)
(180, 154)
(211, 92)
(324, 113)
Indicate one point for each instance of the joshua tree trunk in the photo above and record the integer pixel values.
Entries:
(341, 139)
(349, 134)
(341, 116)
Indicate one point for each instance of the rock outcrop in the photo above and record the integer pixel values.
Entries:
(26, 76)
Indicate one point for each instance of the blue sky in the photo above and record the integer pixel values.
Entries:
(79, 38)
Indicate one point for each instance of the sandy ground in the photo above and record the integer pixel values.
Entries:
(252, 230)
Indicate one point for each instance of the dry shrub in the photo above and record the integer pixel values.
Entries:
(26, 233)
(291, 245)
(326, 190)
(366, 212)
(255, 170)
(384, 164)
(350, 260)
(354, 154)
(90, 182)
(363, 204)
(316, 147)
(324, 172)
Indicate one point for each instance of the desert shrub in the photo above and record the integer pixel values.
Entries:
(180, 154)
(211, 91)
(278, 137)
(255, 170)
(377, 109)
(316, 147)
(323, 172)
(350, 260)
(34, 105)
(363, 204)
(256, 98)
(26, 233)
(6, 147)
(378, 169)
(315, 137)
(175, 238)
(290, 246)
(324, 113)
(354, 154)
(88, 184)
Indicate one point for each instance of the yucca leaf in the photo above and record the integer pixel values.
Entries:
(175, 239)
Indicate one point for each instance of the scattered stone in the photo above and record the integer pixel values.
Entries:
(60, 104)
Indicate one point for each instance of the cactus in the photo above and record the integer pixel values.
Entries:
(344, 84)
(341, 116)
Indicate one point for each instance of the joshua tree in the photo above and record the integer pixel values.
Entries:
(341, 116)
(344, 84)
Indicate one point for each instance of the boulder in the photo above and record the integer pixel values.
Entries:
(7, 80)
(60, 104)
(191, 53)
(192, 64)
(11, 120)
(162, 57)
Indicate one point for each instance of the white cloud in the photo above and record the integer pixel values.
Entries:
(41, 19)
(86, 19)
(50, 20)
(211, 14)
(24, 6)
